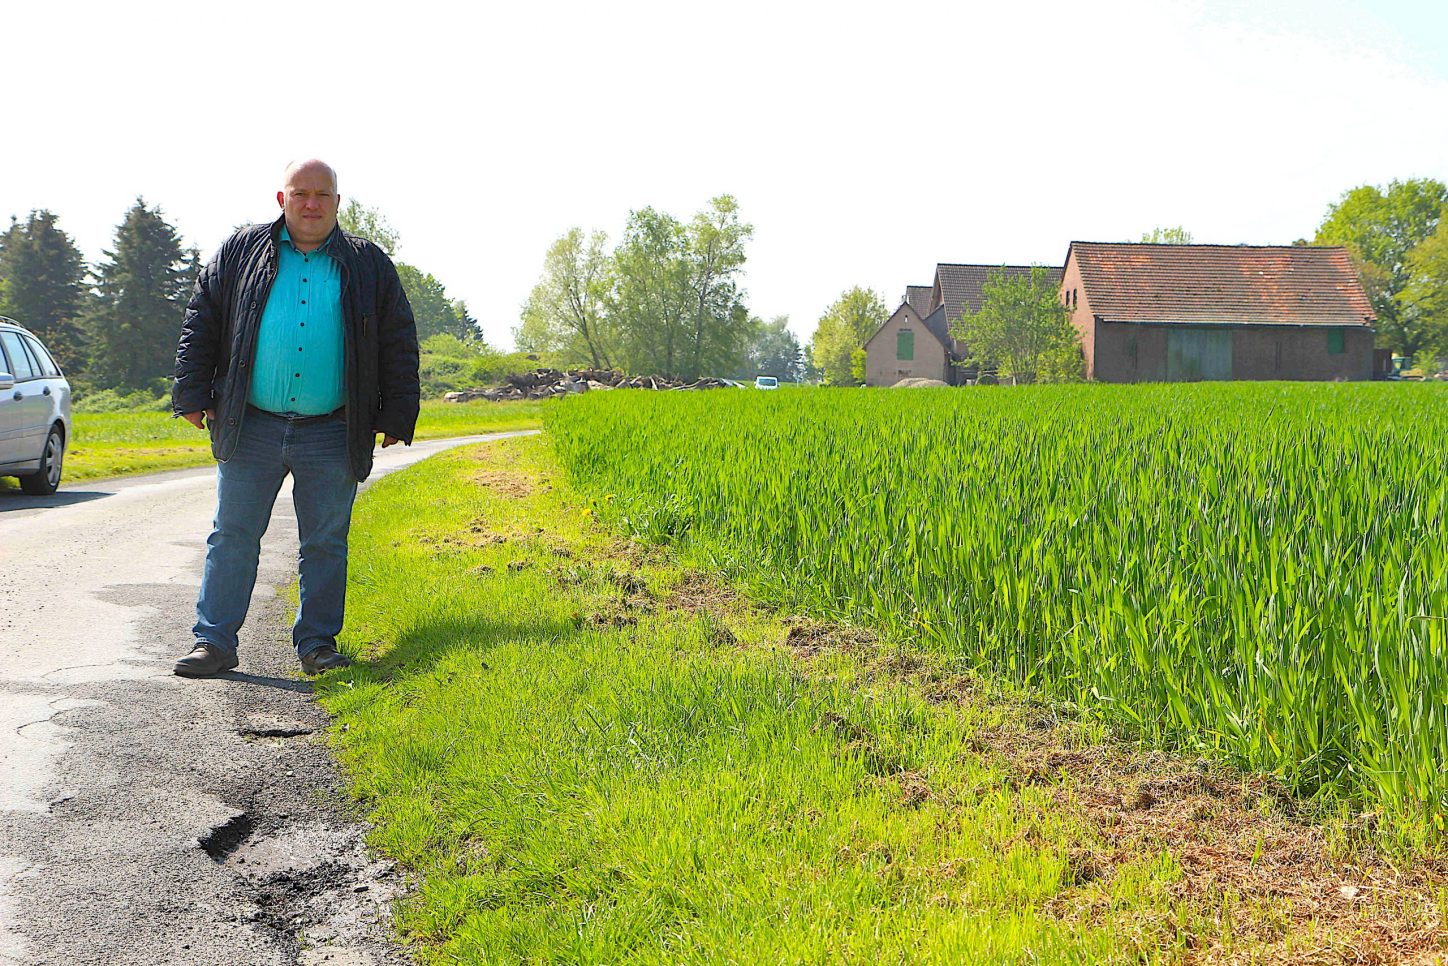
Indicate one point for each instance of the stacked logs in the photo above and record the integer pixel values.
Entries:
(543, 383)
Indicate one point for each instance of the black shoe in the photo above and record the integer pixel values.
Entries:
(205, 660)
(324, 658)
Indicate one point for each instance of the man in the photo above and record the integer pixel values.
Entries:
(297, 349)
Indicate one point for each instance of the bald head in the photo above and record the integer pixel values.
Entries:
(311, 166)
(309, 201)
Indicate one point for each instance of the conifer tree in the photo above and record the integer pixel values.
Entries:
(142, 290)
(42, 285)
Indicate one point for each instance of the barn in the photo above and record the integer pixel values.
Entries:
(1182, 313)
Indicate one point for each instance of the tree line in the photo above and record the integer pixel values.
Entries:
(434, 311)
(667, 300)
(114, 324)
(1397, 236)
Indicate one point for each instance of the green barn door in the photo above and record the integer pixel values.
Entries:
(1193, 355)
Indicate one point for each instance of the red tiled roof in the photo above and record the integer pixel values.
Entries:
(1235, 284)
(959, 286)
(919, 298)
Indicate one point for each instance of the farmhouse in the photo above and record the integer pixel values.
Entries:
(915, 341)
(1152, 313)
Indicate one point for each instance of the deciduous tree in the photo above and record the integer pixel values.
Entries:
(433, 311)
(676, 303)
(1424, 298)
(1022, 330)
(773, 351)
(667, 301)
(42, 285)
(566, 314)
(1381, 227)
(1175, 235)
(722, 327)
(369, 223)
(650, 302)
(844, 327)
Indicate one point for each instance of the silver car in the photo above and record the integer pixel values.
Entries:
(34, 411)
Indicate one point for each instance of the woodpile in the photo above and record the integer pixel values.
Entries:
(543, 383)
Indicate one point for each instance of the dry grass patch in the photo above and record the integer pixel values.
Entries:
(1240, 842)
(1287, 884)
(505, 483)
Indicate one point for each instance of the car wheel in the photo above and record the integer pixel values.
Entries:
(46, 480)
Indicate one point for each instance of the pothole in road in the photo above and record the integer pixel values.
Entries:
(293, 850)
(280, 731)
(308, 883)
(255, 726)
(225, 838)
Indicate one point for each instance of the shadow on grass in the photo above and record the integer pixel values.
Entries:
(425, 645)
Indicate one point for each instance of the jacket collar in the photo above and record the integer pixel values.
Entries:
(336, 243)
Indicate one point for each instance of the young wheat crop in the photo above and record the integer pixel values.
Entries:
(1257, 572)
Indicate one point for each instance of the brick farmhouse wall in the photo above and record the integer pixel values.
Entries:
(1131, 352)
(882, 368)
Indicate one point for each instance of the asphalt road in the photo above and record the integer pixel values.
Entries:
(146, 818)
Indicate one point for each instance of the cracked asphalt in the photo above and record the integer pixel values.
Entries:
(150, 819)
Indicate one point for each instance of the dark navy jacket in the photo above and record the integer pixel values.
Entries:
(218, 340)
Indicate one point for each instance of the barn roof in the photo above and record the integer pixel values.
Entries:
(1231, 284)
(958, 287)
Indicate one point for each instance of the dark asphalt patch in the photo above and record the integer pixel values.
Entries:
(199, 821)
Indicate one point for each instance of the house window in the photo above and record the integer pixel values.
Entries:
(1074, 303)
(905, 345)
(1335, 345)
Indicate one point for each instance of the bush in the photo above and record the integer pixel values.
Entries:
(119, 401)
(448, 363)
(501, 366)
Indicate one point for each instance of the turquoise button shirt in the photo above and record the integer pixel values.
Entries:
(299, 350)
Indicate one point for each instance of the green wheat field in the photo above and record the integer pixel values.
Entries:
(1256, 572)
(1034, 675)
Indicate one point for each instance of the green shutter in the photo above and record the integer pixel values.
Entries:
(1335, 342)
(905, 345)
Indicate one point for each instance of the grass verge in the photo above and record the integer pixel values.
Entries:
(587, 751)
(126, 443)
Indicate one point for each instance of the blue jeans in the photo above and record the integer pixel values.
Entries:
(323, 488)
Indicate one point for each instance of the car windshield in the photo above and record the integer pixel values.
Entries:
(767, 381)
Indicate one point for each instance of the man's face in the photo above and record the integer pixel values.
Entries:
(309, 201)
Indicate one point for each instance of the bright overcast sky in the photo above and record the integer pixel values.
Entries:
(864, 141)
